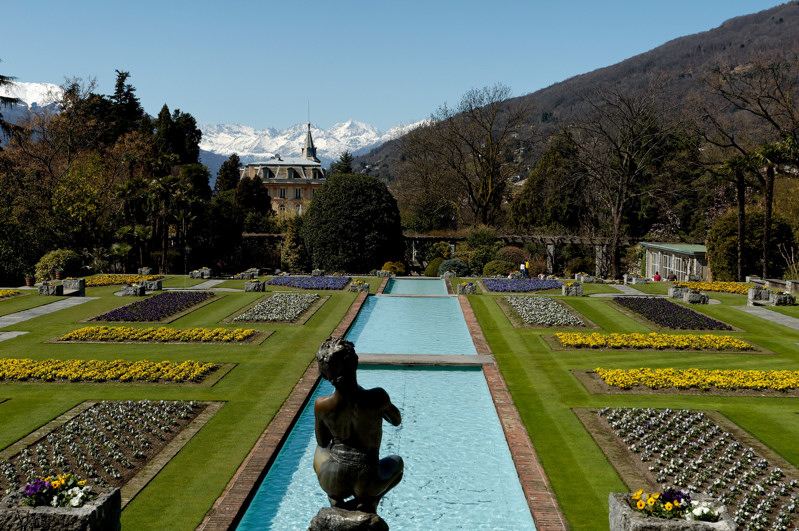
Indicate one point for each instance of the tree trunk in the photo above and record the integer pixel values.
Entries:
(740, 186)
(767, 217)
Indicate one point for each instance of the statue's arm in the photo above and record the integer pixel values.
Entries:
(323, 435)
(392, 414)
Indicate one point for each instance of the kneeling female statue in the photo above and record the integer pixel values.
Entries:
(349, 427)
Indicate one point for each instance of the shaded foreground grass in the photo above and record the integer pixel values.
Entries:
(545, 391)
(539, 379)
(180, 495)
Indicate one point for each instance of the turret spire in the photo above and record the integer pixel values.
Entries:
(309, 151)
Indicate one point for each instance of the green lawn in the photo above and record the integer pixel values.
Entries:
(545, 391)
(539, 379)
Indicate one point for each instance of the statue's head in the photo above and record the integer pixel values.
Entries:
(337, 360)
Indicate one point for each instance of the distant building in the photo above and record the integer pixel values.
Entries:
(686, 261)
(290, 181)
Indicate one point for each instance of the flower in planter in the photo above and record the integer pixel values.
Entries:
(63, 491)
(702, 511)
(670, 504)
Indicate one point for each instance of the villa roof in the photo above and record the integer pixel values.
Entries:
(286, 161)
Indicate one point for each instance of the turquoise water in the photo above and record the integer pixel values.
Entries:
(416, 286)
(458, 470)
(411, 325)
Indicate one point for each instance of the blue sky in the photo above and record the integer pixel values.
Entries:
(383, 62)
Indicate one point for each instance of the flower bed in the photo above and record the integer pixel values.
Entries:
(670, 315)
(106, 444)
(652, 341)
(9, 293)
(160, 334)
(740, 288)
(99, 370)
(280, 307)
(688, 450)
(156, 307)
(519, 284)
(700, 378)
(114, 280)
(303, 282)
(543, 311)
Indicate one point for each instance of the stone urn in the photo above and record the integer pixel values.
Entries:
(100, 514)
(622, 517)
(467, 288)
(693, 297)
(30, 281)
(575, 290)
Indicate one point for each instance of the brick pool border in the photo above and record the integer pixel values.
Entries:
(228, 508)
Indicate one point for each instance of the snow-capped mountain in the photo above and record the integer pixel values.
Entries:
(253, 145)
(32, 96)
(220, 141)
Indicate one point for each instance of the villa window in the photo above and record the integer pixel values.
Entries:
(291, 173)
(298, 193)
(282, 193)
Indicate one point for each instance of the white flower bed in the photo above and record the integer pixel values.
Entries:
(688, 451)
(280, 307)
(543, 311)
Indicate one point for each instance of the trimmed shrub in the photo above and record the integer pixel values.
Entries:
(512, 254)
(352, 224)
(457, 265)
(58, 260)
(432, 268)
(498, 267)
(398, 268)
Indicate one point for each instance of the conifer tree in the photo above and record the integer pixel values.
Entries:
(228, 175)
(342, 165)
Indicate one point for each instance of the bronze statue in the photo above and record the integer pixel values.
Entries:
(349, 427)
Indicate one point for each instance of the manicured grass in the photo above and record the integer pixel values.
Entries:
(545, 391)
(540, 381)
(654, 288)
(253, 391)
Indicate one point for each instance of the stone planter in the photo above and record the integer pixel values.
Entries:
(781, 299)
(317, 273)
(467, 289)
(100, 514)
(385, 274)
(200, 273)
(132, 291)
(622, 517)
(572, 291)
(678, 293)
(696, 298)
(255, 285)
(151, 285)
(359, 287)
(145, 271)
(76, 287)
(634, 279)
(51, 289)
(757, 295)
(448, 274)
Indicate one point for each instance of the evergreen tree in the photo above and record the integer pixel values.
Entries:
(251, 196)
(353, 225)
(5, 101)
(342, 165)
(228, 175)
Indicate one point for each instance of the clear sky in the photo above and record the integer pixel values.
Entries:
(383, 62)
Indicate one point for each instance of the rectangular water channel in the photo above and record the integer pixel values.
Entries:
(458, 469)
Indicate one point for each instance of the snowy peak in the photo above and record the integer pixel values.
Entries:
(32, 94)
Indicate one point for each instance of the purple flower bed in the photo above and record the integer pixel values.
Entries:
(520, 284)
(332, 282)
(156, 307)
(670, 315)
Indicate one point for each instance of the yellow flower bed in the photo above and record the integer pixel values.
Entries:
(111, 280)
(161, 334)
(652, 341)
(699, 378)
(9, 292)
(98, 371)
(740, 288)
